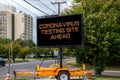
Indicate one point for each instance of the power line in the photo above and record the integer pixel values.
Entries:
(66, 3)
(24, 8)
(46, 6)
(36, 7)
(52, 4)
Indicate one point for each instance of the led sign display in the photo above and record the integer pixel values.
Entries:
(60, 31)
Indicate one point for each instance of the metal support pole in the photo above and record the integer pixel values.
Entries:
(61, 58)
(60, 54)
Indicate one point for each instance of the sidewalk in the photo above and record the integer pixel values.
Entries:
(111, 73)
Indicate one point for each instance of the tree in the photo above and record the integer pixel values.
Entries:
(4, 47)
(42, 52)
(26, 44)
(23, 52)
(4, 40)
(15, 49)
(101, 21)
(4, 50)
(77, 1)
(30, 43)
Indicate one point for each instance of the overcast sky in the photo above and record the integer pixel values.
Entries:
(43, 7)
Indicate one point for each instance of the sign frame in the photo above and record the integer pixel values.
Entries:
(67, 20)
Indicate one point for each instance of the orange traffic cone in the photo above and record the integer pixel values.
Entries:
(7, 76)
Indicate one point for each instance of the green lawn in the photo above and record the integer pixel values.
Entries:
(89, 67)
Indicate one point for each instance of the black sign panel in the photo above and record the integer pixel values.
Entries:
(60, 31)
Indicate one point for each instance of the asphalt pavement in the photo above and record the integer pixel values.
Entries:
(31, 65)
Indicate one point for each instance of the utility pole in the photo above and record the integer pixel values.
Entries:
(58, 3)
(60, 53)
(8, 72)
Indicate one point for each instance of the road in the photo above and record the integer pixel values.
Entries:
(30, 66)
(25, 66)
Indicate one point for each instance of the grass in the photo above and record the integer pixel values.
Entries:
(116, 68)
(107, 79)
(89, 67)
(90, 78)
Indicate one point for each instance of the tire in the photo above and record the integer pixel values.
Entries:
(63, 75)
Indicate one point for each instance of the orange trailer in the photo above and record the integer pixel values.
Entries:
(59, 73)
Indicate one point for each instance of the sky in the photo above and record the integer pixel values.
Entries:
(43, 7)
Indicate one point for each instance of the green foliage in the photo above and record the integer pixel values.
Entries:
(26, 48)
(15, 49)
(68, 52)
(4, 47)
(4, 50)
(41, 52)
(23, 52)
(4, 40)
(77, 1)
(101, 31)
(18, 48)
(114, 49)
(26, 43)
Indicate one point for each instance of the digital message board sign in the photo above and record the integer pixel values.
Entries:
(60, 31)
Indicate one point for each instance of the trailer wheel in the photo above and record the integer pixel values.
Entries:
(63, 75)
